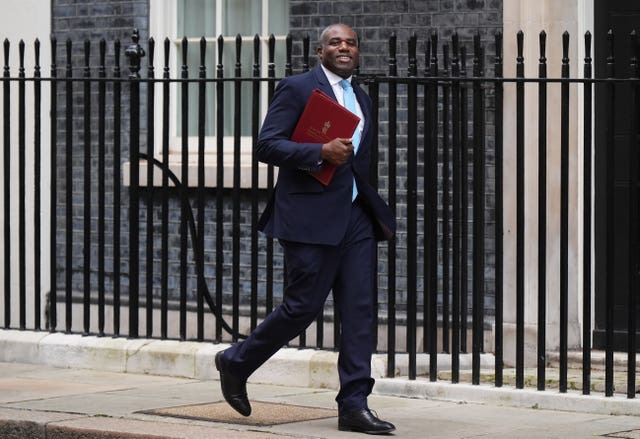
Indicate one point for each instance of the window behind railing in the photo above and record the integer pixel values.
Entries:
(227, 19)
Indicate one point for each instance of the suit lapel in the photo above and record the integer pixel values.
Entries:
(323, 82)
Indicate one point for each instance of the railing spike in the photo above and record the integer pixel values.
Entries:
(587, 46)
(520, 43)
(543, 47)
(565, 47)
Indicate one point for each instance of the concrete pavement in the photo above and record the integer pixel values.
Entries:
(69, 386)
(39, 401)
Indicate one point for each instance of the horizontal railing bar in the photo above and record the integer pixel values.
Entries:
(229, 39)
(381, 79)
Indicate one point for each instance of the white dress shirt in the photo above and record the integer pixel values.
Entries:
(334, 80)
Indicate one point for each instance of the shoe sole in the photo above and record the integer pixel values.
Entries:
(359, 430)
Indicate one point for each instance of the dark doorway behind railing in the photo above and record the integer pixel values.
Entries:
(126, 245)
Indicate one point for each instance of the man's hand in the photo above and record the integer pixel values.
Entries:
(337, 151)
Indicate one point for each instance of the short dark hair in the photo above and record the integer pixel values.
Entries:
(326, 29)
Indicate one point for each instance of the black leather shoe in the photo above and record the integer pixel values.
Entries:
(364, 421)
(234, 390)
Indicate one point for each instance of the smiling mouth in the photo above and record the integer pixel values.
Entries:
(344, 58)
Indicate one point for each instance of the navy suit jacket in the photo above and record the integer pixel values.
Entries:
(302, 209)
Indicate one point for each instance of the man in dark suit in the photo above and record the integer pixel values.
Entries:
(328, 234)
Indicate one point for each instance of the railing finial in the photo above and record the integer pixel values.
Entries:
(543, 47)
(6, 54)
(565, 47)
(610, 45)
(520, 42)
(134, 52)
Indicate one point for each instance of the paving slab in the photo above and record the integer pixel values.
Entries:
(39, 401)
(91, 428)
(21, 424)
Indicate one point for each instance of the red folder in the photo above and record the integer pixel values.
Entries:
(322, 120)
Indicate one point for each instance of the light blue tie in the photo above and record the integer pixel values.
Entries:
(350, 104)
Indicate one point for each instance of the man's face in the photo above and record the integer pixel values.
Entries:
(339, 51)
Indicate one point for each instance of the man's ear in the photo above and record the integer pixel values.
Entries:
(319, 50)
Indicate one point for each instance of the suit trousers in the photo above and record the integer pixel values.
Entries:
(313, 271)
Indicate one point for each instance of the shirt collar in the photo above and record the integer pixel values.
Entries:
(332, 77)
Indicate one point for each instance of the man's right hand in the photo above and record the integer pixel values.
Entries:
(337, 151)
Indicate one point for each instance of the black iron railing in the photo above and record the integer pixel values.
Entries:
(442, 128)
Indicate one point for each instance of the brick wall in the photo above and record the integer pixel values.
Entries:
(108, 19)
(78, 21)
(113, 20)
(373, 20)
